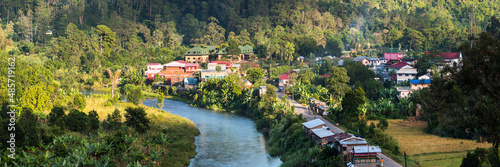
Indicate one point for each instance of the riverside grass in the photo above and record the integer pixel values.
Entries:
(181, 131)
(427, 149)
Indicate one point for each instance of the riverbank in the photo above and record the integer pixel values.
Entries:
(180, 131)
(226, 139)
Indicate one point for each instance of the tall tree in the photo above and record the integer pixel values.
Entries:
(289, 51)
(337, 82)
(351, 105)
(215, 34)
(106, 40)
(113, 78)
(255, 74)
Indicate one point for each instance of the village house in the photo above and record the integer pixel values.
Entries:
(403, 91)
(366, 156)
(382, 60)
(340, 63)
(396, 66)
(313, 124)
(373, 61)
(344, 142)
(361, 59)
(206, 74)
(319, 135)
(416, 84)
(247, 84)
(173, 72)
(283, 80)
(262, 90)
(152, 69)
(190, 82)
(225, 65)
(197, 55)
(246, 53)
(329, 57)
(451, 58)
(405, 73)
(393, 54)
(410, 61)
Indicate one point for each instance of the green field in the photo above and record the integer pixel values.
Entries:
(427, 149)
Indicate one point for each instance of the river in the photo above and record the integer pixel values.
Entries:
(226, 140)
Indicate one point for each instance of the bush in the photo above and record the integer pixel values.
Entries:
(29, 133)
(136, 118)
(56, 117)
(93, 121)
(383, 124)
(60, 149)
(77, 121)
(136, 96)
(113, 121)
(79, 102)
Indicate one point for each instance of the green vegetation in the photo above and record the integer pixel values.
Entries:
(62, 47)
(166, 141)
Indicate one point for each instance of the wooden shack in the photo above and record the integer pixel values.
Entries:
(313, 124)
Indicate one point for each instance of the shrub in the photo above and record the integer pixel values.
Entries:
(56, 117)
(113, 121)
(77, 121)
(136, 118)
(93, 121)
(383, 124)
(136, 96)
(29, 129)
(60, 149)
(79, 102)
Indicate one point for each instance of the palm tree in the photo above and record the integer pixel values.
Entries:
(289, 51)
(113, 79)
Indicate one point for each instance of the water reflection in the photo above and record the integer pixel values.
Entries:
(225, 140)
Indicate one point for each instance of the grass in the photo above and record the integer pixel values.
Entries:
(181, 131)
(427, 149)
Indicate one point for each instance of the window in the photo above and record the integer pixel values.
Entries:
(400, 75)
(149, 68)
(407, 75)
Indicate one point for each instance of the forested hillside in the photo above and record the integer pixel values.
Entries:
(356, 24)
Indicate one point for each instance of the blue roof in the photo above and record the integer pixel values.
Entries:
(191, 81)
(417, 81)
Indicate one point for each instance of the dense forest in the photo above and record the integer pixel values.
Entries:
(356, 25)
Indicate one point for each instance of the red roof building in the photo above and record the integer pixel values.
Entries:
(284, 77)
(449, 55)
(228, 64)
(325, 75)
(399, 65)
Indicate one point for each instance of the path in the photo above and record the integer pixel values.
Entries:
(301, 109)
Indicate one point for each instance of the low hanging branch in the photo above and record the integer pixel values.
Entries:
(113, 79)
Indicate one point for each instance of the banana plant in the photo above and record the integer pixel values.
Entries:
(156, 156)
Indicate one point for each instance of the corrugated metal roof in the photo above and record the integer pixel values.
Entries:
(313, 123)
(366, 149)
(321, 133)
(353, 142)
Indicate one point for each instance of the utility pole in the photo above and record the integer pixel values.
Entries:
(405, 159)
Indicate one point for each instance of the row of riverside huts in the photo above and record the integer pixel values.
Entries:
(355, 150)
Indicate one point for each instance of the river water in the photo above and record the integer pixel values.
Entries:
(226, 140)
